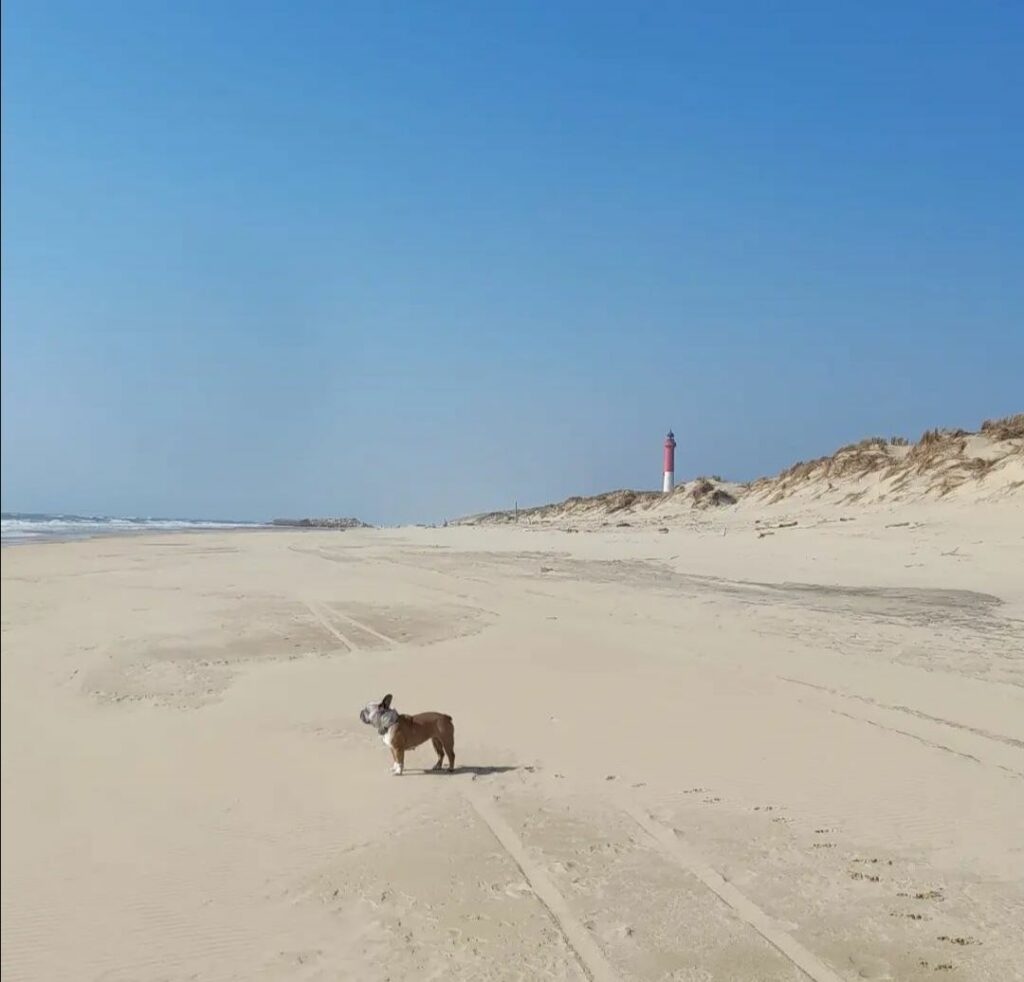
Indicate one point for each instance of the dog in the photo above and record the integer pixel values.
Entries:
(401, 733)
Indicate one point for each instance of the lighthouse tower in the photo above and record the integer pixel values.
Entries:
(670, 463)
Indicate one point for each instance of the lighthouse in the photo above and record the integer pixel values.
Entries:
(670, 464)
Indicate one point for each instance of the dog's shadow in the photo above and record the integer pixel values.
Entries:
(474, 771)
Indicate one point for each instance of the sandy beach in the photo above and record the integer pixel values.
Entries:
(696, 754)
(618, 401)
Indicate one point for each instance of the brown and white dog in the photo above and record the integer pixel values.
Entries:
(401, 733)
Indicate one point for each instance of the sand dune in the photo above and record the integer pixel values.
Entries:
(956, 465)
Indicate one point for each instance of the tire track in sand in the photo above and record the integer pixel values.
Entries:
(328, 626)
(328, 617)
(589, 955)
(373, 632)
(741, 905)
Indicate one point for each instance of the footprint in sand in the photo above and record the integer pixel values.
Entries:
(870, 877)
(923, 895)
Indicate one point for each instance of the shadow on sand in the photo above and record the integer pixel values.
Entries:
(475, 771)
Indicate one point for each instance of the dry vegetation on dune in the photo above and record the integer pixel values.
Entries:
(1007, 428)
(609, 503)
(880, 469)
(707, 493)
(873, 470)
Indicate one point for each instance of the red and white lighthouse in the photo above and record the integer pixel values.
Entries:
(669, 481)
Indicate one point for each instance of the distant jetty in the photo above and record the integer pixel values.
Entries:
(321, 523)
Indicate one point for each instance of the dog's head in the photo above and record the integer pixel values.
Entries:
(378, 713)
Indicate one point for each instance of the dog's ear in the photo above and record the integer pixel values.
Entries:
(385, 703)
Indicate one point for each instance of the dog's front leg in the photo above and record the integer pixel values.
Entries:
(399, 758)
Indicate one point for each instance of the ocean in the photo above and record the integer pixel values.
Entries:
(19, 527)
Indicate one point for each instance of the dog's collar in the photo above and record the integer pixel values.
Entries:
(386, 720)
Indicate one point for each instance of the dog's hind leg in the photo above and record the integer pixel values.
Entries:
(449, 749)
(439, 750)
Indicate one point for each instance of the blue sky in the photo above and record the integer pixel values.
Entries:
(406, 260)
